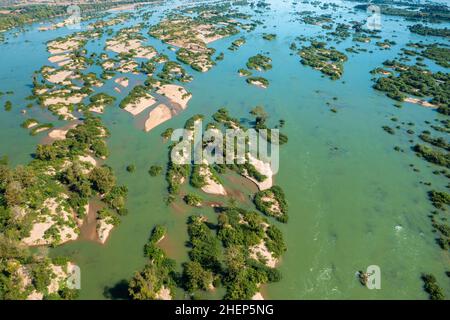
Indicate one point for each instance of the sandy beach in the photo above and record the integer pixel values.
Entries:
(142, 104)
(157, 116)
(263, 168)
(421, 102)
(38, 230)
(176, 94)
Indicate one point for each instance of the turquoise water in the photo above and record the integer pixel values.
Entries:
(353, 200)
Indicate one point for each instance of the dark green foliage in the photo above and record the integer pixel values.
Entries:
(205, 247)
(428, 31)
(278, 200)
(439, 199)
(193, 200)
(8, 105)
(432, 288)
(432, 155)
(328, 61)
(167, 133)
(259, 62)
(155, 170)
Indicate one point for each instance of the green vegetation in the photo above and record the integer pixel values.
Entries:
(167, 133)
(101, 99)
(415, 81)
(244, 72)
(175, 176)
(272, 203)
(193, 200)
(8, 105)
(40, 128)
(197, 180)
(28, 123)
(258, 81)
(439, 199)
(205, 249)
(428, 31)
(432, 156)
(441, 55)
(328, 61)
(155, 170)
(174, 71)
(426, 12)
(157, 276)
(134, 96)
(438, 142)
(259, 62)
(240, 230)
(269, 36)
(131, 168)
(236, 44)
(432, 288)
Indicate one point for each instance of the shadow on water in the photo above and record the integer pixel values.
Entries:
(117, 292)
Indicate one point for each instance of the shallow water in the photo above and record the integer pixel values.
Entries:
(353, 200)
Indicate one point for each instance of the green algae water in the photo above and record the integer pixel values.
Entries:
(353, 200)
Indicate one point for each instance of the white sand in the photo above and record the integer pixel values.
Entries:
(41, 129)
(157, 116)
(261, 250)
(59, 76)
(57, 47)
(164, 294)
(263, 168)
(32, 124)
(59, 58)
(258, 84)
(122, 81)
(64, 111)
(423, 103)
(38, 230)
(90, 159)
(258, 296)
(60, 134)
(123, 46)
(175, 94)
(73, 99)
(108, 65)
(274, 205)
(97, 108)
(59, 276)
(211, 187)
(142, 104)
(103, 230)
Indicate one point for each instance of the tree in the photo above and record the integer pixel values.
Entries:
(145, 284)
(195, 277)
(14, 194)
(102, 179)
(260, 115)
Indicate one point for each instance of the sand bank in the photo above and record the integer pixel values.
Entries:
(103, 230)
(263, 168)
(176, 94)
(122, 81)
(212, 186)
(142, 104)
(46, 221)
(421, 102)
(261, 250)
(157, 116)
